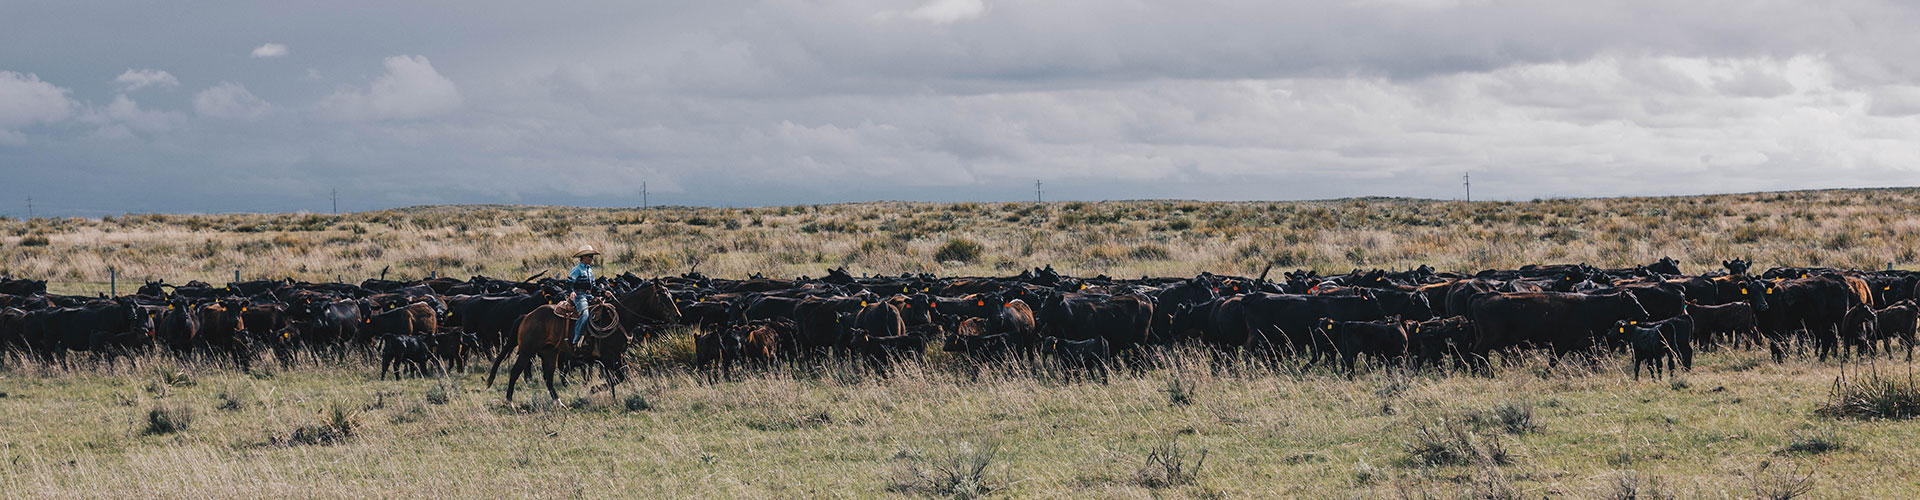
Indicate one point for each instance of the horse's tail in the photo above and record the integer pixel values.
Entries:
(507, 346)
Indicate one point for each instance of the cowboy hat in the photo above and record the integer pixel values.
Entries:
(585, 250)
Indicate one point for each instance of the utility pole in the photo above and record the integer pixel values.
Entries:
(1036, 192)
(29, 207)
(335, 194)
(1467, 181)
(643, 195)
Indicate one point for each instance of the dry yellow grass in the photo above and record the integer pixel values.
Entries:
(1866, 229)
(837, 433)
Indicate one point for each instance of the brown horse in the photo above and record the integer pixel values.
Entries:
(546, 333)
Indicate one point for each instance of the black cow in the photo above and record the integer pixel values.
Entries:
(1563, 322)
(1410, 305)
(1286, 321)
(108, 327)
(1735, 320)
(1815, 304)
(451, 348)
(1897, 321)
(177, 326)
(1088, 354)
(492, 318)
(1649, 347)
(1384, 340)
(1429, 341)
(880, 351)
(407, 351)
(12, 329)
(1123, 320)
(1858, 329)
(979, 348)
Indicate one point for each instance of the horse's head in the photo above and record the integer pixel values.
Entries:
(654, 299)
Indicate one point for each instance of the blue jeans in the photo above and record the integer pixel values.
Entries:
(580, 326)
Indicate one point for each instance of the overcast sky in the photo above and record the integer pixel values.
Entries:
(109, 107)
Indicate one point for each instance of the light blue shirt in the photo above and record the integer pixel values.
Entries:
(581, 271)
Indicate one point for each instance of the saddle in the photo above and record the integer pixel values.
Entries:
(602, 323)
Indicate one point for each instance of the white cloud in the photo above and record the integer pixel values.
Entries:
(949, 11)
(410, 89)
(136, 79)
(1895, 100)
(124, 115)
(269, 50)
(229, 100)
(26, 100)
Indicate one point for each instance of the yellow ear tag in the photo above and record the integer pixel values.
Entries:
(926, 289)
(906, 290)
(1083, 286)
(1623, 329)
(980, 303)
(243, 309)
(863, 303)
(1743, 291)
(1633, 322)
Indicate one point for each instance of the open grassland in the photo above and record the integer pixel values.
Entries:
(1735, 427)
(1862, 229)
(1738, 426)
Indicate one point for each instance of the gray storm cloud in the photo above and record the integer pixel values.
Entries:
(754, 103)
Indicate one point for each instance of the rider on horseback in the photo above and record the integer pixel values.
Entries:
(581, 281)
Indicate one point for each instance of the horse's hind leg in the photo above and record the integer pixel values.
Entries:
(497, 358)
(521, 364)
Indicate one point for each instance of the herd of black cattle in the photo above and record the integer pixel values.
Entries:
(1418, 317)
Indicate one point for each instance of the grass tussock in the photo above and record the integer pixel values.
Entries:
(1167, 466)
(168, 419)
(337, 423)
(1634, 485)
(965, 471)
(1772, 481)
(1449, 443)
(1873, 396)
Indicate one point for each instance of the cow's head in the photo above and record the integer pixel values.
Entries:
(1737, 267)
(1758, 292)
(1418, 307)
